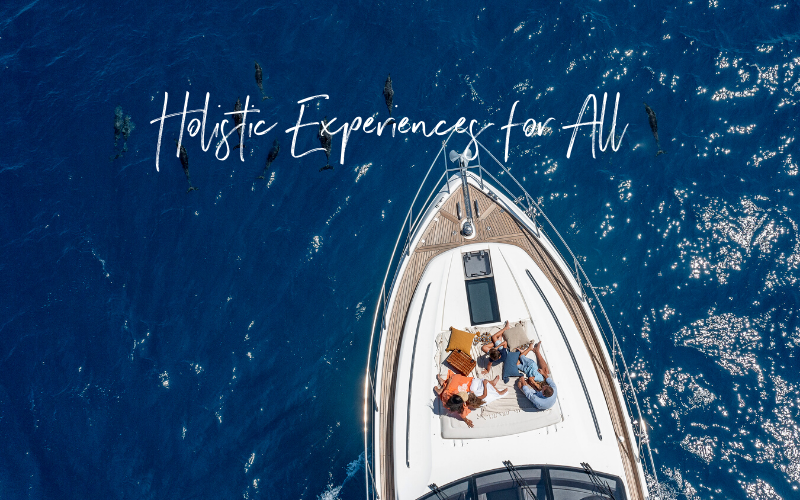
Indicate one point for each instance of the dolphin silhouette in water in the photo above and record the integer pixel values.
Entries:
(237, 120)
(654, 127)
(122, 128)
(388, 93)
(325, 141)
(259, 77)
(273, 153)
(185, 164)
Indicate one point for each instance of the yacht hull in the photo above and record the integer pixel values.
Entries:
(407, 443)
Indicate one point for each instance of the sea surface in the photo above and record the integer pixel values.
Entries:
(161, 344)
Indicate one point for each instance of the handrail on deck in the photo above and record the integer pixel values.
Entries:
(532, 209)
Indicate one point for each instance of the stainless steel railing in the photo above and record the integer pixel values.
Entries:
(533, 210)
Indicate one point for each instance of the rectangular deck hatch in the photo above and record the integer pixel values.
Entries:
(481, 292)
(477, 264)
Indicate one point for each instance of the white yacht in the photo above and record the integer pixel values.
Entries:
(475, 256)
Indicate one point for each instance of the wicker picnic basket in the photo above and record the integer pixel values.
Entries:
(463, 363)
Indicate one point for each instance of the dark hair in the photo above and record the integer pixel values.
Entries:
(455, 403)
(494, 354)
(547, 390)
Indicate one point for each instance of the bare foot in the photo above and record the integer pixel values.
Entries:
(440, 379)
(494, 381)
(503, 391)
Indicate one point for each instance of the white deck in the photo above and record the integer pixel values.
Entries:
(425, 457)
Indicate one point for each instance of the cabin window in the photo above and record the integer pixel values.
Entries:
(481, 292)
(574, 485)
(501, 486)
(454, 491)
(547, 483)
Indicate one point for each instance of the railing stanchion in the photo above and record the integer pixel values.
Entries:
(444, 158)
(480, 169)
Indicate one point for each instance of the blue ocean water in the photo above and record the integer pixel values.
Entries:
(156, 343)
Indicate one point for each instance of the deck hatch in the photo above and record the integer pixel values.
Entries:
(482, 299)
(477, 264)
(481, 292)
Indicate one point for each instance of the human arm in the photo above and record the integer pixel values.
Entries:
(499, 335)
(528, 391)
(488, 367)
(485, 391)
(536, 386)
(463, 414)
(523, 352)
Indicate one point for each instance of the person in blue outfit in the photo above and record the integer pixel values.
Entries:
(529, 366)
(497, 350)
(542, 394)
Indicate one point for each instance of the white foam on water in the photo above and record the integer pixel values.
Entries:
(332, 492)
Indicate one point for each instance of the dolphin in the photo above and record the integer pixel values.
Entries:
(122, 128)
(237, 120)
(273, 153)
(185, 164)
(259, 76)
(325, 139)
(654, 127)
(127, 128)
(388, 93)
(118, 124)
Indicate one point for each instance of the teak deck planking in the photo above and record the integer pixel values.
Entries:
(494, 225)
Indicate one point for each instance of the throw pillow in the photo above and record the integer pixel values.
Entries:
(460, 340)
(510, 365)
(516, 337)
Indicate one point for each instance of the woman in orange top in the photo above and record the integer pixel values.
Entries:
(454, 393)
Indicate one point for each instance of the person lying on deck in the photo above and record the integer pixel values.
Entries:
(458, 393)
(529, 366)
(542, 394)
(497, 352)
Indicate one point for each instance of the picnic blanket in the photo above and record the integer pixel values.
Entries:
(511, 414)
